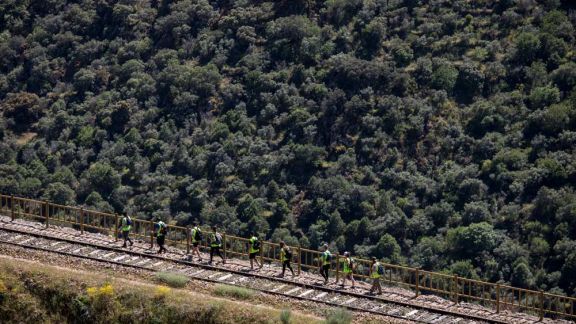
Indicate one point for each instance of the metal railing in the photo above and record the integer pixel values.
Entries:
(499, 297)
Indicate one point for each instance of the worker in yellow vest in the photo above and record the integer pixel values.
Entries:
(325, 261)
(254, 250)
(125, 227)
(195, 239)
(215, 245)
(376, 271)
(348, 265)
(161, 231)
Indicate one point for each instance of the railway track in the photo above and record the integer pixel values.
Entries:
(25, 234)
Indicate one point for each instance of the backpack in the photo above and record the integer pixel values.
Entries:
(288, 253)
(352, 263)
(128, 221)
(380, 269)
(256, 244)
(163, 229)
(328, 256)
(198, 235)
(218, 238)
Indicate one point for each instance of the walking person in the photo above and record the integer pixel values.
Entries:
(125, 227)
(376, 271)
(285, 258)
(348, 269)
(161, 231)
(196, 238)
(215, 245)
(325, 259)
(254, 250)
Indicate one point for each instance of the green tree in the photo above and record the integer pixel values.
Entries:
(102, 177)
(470, 241)
(444, 77)
(388, 248)
(59, 193)
(527, 47)
(22, 109)
(541, 97)
(464, 269)
(522, 276)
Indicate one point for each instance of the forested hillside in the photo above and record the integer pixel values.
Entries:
(437, 133)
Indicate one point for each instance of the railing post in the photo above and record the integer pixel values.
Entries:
(81, 220)
(541, 305)
(337, 268)
(497, 298)
(151, 235)
(224, 245)
(299, 260)
(46, 213)
(262, 253)
(116, 227)
(188, 238)
(456, 289)
(12, 207)
(417, 283)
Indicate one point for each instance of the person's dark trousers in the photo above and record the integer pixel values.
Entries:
(324, 271)
(286, 264)
(215, 250)
(160, 241)
(126, 236)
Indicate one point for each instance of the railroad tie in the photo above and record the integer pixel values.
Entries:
(224, 277)
(214, 275)
(306, 293)
(122, 257)
(105, 256)
(278, 288)
(439, 319)
(411, 313)
(198, 272)
(291, 291)
(320, 296)
(349, 301)
(157, 264)
(267, 285)
(94, 252)
(56, 243)
(78, 250)
(371, 305)
(63, 247)
(26, 241)
(394, 311)
(133, 259)
(429, 317)
(143, 262)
